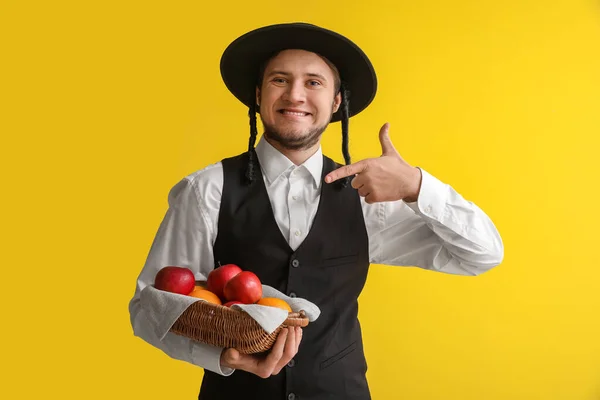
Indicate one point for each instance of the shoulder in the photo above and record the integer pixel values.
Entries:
(205, 184)
(208, 175)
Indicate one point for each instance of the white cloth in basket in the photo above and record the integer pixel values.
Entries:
(163, 308)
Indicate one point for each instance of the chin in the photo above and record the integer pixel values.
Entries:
(293, 132)
(294, 135)
(292, 129)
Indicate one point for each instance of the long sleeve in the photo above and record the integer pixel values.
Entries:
(441, 231)
(184, 238)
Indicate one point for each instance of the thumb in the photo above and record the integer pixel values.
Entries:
(387, 147)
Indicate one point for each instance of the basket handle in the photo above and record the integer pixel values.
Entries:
(296, 319)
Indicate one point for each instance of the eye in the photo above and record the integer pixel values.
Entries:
(279, 80)
(314, 83)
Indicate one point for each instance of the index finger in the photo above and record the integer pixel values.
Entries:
(346, 170)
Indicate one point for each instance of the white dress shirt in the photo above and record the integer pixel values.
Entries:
(441, 231)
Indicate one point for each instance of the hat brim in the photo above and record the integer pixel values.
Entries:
(241, 61)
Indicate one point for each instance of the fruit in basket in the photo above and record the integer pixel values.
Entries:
(218, 277)
(230, 303)
(275, 302)
(245, 287)
(207, 295)
(175, 280)
(201, 284)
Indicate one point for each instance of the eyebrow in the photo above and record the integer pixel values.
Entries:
(312, 74)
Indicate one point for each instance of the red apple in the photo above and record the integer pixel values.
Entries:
(175, 280)
(218, 277)
(245, 287)
(230, 303)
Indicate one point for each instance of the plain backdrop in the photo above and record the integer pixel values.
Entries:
(105, 105)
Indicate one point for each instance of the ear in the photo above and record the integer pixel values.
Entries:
(258, 96)
(337, 100)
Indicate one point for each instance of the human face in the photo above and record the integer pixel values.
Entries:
(297, 99)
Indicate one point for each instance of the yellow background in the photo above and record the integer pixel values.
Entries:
(106, 105)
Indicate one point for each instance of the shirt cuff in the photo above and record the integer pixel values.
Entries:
(433, 194)
(210, 358)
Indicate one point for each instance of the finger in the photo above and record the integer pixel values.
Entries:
(364, 191)
(276, 351)
(298, 338)
(288, 352)
(357, 181)
(290, 347)
(346, 170)
(370, 198)
(387, 147)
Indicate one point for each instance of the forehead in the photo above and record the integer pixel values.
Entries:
(300, 61)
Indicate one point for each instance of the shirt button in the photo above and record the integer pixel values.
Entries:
(297, 233)
(428, 209)
(291, 363)
(294, 197)
(291, 396)
(292, 295)
(295, 263)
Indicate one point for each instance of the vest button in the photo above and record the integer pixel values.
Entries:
(295, 263)
(292, 294)
(291, 396)
(291, 363)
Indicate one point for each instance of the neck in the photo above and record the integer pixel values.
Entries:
(298, 157)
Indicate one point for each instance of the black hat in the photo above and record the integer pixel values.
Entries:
(241, 61)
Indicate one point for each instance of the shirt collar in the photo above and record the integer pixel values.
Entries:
(273, 163)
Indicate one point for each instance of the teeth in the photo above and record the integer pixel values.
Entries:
(299, 114)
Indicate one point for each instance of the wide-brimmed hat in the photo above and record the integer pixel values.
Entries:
(242, 59)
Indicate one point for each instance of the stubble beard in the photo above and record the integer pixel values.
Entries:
(291, 139)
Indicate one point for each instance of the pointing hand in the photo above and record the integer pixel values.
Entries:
(385, 178)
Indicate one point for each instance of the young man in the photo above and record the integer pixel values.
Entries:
(305, 225)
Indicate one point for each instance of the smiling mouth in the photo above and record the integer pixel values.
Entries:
(294, 113)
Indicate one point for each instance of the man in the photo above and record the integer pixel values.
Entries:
(305, 225)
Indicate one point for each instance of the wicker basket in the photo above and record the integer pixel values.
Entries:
(230, 328)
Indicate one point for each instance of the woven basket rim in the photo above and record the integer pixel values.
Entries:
(293, 318)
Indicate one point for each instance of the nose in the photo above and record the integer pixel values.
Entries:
(296, 92)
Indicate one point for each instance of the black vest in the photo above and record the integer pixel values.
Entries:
(329, 268)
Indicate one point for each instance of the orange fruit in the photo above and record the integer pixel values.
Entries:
(274, 302)
(201, 284)
(201, 293)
